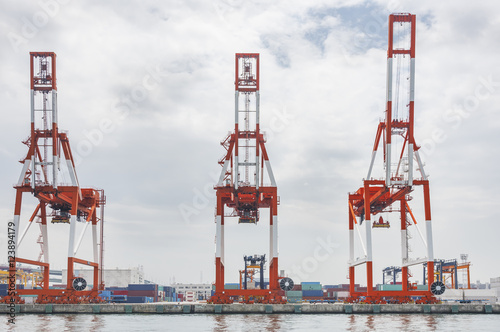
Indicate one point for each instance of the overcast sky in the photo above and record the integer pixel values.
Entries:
(162, 72)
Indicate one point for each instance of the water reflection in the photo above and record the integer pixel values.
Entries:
(97, 323)
(432, 322)
(361, 322)
(270, 322)
(370, 322)
(68, 321)
(220, 323)
(274, 323)
(44, 322)
(405, 321)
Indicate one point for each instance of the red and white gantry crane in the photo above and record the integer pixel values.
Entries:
(392, 192)
(48, 160)
(241, 186)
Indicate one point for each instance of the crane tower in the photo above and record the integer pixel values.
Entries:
(246, 183)
(49, 160)
(392, 192)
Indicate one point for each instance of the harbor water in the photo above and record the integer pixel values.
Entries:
(254, 322)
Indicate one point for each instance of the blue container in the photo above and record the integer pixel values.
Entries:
(310, 283)
(136, 299)
(331, 286)
(105, 295)
(4, 286)
(312, 293)
(3, 292)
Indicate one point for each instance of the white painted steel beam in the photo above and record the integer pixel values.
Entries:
(415, 261)
(389, 80)
(94, 243)
(82, 234)
(388, 164)
(270, 173)
(358, 262)
(368, 229)
(374, 154)
(28, 225)
(72, 229)
(26, 166)
(274, 237)
(412, 79)
(410, 164)
(223, 172)
(16, 232)
(218, 232)
(430, 247)
(45, 239)
(420, 165)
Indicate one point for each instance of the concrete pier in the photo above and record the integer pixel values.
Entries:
(185, 308)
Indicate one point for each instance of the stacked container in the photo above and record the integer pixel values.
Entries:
(144, 291)
(105, 295)
(4, 289)
(294, 296)
(312, 291)
(169, 294)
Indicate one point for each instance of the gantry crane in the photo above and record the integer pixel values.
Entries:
(392, 193)
(252, 264)
(241, 185)
(49, 158)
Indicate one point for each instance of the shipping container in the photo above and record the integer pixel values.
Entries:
(116, 288)
(105, 295)
(143, 287)
(142, 293)
(330, 286)
(136, 299)
(312, 293)
(311, 287)
(118, 297)
(384, 288)
(120, 292)
(294, 293)
(346, 286)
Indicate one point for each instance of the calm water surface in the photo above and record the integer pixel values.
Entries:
(255, 322)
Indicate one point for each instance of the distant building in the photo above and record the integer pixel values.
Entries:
(112, 277)
(495, 285)
(194, 291)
